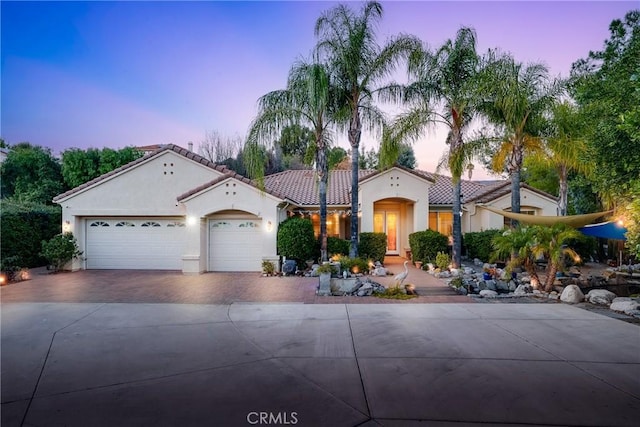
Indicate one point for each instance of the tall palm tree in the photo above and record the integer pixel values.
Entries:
(348, 43)
(565, 148)
(518, 97)
(307, 101)
(443, 89)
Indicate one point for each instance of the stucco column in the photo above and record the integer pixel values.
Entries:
(193, 259)
(420, 215)
(366, 220)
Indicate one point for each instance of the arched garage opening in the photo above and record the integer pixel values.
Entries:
(234, 241)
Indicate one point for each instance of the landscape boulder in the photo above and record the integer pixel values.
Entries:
(572, 295)
(486, 293)
(523, 290)
(625, 305)
(600, 296)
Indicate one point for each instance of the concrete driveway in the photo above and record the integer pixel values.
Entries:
(240, 364)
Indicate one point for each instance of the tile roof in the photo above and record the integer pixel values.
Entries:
(221, 178)
(300, 186)
(169, 147)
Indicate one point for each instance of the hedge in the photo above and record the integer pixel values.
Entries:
(297, 241)
(24, 227)
(372, 246)
(426, 244)
(478, 244)
(337, 246)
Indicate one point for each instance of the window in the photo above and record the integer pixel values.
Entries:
(507, 221)
(176, 224)
(333, 224)
(442, 222)
(99, 224)
(125, 224)
(150, 224)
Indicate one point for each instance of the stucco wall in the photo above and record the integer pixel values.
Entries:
(228, 195)
(394, 183)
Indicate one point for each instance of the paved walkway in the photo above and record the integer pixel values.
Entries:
(97, 364)
(212, 288)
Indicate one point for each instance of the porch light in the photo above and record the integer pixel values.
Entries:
(269, 226)
(192, 220)
(66, 227)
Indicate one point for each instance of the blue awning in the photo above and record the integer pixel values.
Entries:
(606, 230)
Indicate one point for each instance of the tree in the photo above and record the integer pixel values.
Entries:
(442, 89)
(30, 174)
(295, 139)
(516, 244)
(518, 97)
(80, 166)
(308, 100)
(348, 43)
(407, 157)
(336, 156)
(606, 86)
(550, 243)
(219, 148)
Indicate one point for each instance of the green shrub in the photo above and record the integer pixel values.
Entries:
(296, 240)
(10, 266)
(337, 246)
(443, 260)
(268, 267)
(394, 292)
(426, 244)
(354, 265)
(585, 246)
(23, 227)
(373, 246)
(478, 244)
(60, 249)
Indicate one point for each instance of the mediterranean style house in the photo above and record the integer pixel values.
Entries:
(175, 210)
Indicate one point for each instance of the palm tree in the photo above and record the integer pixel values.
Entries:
(518, 97)
(348, 43)
(550, 243)
(307, 101)
(443, 90)
(565, 148)
(517, 245)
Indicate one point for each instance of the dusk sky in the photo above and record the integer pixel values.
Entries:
(114, 74)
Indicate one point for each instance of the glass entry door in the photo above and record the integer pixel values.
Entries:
(387, 222)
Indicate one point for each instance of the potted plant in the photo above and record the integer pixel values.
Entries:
(268, 268)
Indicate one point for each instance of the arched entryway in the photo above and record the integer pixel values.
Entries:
(394, 217)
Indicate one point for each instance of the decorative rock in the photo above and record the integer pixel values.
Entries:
(477, 262)
(609, 274)
(365, 290)
(430, 266)
(490, 285)
(600, 296)
(625, 305)
(488, 293)
(572, 295)
(525, 279)
(443, 275)
(501, 285)
(468, 270)
(344, 286)
(455, 272)
(523, 290)
(554, 296)
(379, 271)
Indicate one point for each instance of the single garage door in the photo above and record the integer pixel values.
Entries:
(235, 245)
(134, 244)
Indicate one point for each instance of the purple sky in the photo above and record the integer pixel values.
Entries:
(138, 73)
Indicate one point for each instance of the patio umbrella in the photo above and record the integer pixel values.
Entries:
(571, 220)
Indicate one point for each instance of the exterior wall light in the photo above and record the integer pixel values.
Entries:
(269, 226)
(192, 220)
(66, 227)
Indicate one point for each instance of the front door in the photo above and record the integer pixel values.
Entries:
(387, 222)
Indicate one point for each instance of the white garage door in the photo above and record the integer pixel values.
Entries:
(235, 245)
(134, 244)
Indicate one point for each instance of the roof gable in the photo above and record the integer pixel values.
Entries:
(221, 179)
(138, 162)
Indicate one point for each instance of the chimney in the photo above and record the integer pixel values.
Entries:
(190, 145)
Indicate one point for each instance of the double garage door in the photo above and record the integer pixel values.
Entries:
(158, 244)
(135, 244)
